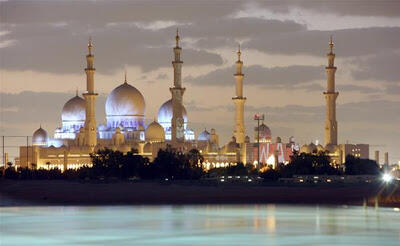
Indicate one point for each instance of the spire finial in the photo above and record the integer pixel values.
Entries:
(90, 45)
(76, 91)
(239, 52)
(177, 37)
(125, 81)
(331, 43)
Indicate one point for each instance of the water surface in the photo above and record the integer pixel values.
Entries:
(199, 225)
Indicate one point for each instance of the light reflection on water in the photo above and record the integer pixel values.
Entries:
(199, 225)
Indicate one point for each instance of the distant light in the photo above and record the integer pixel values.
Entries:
(396, 209)
(387, 177)
(222, 180)
(249, 180)
(166, 179)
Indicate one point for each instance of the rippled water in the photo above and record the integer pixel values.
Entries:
(199, 225)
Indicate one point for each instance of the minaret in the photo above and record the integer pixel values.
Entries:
(330, 96)
(239, 100)
(90, 98)
(177, 133)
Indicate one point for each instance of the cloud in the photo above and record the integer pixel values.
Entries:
(348, 42)
(393, 89)
(372, 112)
(386, 8)
(311, 87)
(44, 107)
(162, 76)
(382, 66)
(275, 77)
(46, 48)
(358, 88)
(100, 12)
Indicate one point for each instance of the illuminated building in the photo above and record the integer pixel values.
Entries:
(337, 152)
(272, 153)
(125, 128)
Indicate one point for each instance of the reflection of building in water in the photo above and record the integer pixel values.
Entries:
(124, 128)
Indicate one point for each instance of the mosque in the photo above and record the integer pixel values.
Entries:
(125, 128)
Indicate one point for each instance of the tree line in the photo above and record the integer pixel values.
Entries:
(171, 164)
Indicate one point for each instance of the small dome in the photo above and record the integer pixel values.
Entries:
(305, 149)
(74, 110)
(165, 113)
(155, 132)
(39, 137)
(278, 140)
(265, 133)
(204, 136)
(125, 100)
(320, 148)
(231, 146)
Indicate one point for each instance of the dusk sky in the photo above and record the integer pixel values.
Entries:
(284, 44)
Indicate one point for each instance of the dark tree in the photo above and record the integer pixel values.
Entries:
(308, 164)
(107, 162)
(357, 166)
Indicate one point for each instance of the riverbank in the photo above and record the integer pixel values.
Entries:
(60, 192)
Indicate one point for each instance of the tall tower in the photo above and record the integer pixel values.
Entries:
(330, 96)
(90, 138)
(177, 133)
(239, 100)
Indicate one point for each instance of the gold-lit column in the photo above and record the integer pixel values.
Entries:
(90, 99)
(177, 124)
(330, 97)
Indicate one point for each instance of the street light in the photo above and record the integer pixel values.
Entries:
(387, 177)
(258, 118)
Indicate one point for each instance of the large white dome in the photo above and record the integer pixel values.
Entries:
(125, 106)
(125, 100)
(165, 113)
(74, 110)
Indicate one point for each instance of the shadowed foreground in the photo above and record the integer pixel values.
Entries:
(58, 192)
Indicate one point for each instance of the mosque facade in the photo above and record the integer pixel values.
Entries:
(79, 135)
